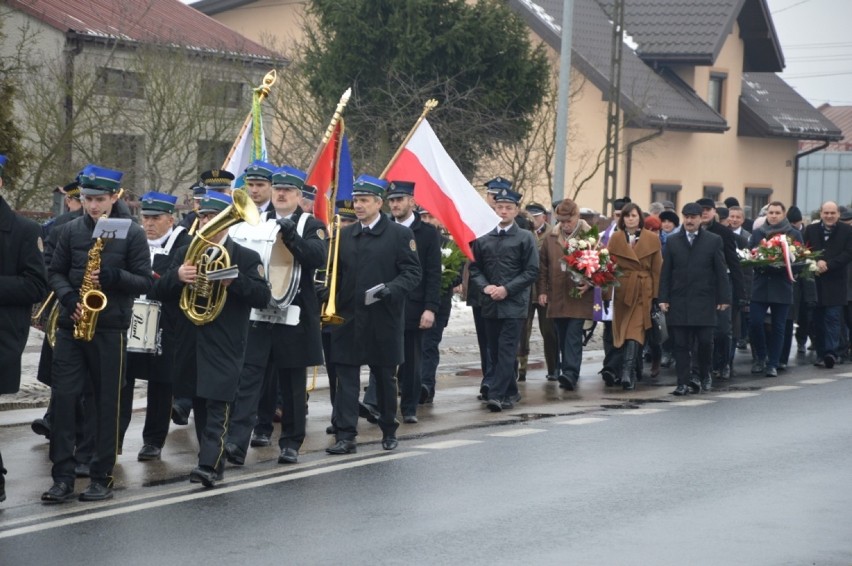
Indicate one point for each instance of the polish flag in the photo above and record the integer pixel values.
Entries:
(442, 189)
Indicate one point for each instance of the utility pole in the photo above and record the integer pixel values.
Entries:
(562, 114)
(613, 109)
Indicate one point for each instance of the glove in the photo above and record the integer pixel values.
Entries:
(109, 276)
(69, 302)
(382, 294)
(288, 229)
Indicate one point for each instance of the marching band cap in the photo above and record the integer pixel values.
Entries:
(706, 203)
(95, 180)
(400, 188)
(309, 192)
(507, 195)
(214, 202)
(421, 210)
(287, 176)
(259, 171)
(535, 209)
(691, 209)
(216, 178)
(497, 184)
(3, 161)
(345, 209)
(198, 190)
(367, 185)
(154, 204)
(671, 216)
(72, 189)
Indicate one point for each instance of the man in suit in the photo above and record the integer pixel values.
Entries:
(258, 177)
(22, 284)
(421, 304)
(378, 268)
(694, 285)
(283, 341)
(834, 239)
(164, 239)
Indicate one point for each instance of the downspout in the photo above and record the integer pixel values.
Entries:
(796, 169)
(629, 166)
(73, 47)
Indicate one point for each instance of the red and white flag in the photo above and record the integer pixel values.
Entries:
(442, 189)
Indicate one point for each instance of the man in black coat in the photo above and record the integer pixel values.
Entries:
(22, 284)
(505, 265)
(124, 273)
(285, 340)
(834, 239)
(378, 268)
(220, 344)
(164, 239)
(421, 304)
(694, 286)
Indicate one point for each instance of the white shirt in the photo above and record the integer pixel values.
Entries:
(407, 222)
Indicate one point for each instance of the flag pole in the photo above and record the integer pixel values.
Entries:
(430, 104)
(262, 92)
(338, 112)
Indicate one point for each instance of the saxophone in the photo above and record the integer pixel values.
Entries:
(92, 299)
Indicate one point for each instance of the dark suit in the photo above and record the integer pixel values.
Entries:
(722, 338)
(371, 334)
(693, 282)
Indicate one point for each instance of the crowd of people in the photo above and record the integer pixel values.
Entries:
(225, 312)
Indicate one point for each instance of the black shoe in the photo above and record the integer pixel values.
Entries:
(609, 377)
(204, 475)
(234, 455)
(330, 429)
(667, 361)
(781, 366)
(758, 367)
(522, 376)
(2, 490)
(288, 456)
(771, 372)
(567, 382)
(424, 395)
(507, 405)
(41, 427)
(389, 442)
(260, 440)
(494, 405)
(694, 386)
(148, 452)
(681, 390)
(343, 447)
(96, 492)
(410, 419)
(829, 360)
(483, 393)
(180, 416)
(725, 374)
(369, 412)
(82, 471)
(800, 348)
(707, 384)
(60, 492)
(742, 344)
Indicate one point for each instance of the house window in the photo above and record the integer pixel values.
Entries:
(660, 193)
(122, 152)
(222, 94)
(712, 192)
(116, 82)
(716, 91)
(755, 199)
(211, 154)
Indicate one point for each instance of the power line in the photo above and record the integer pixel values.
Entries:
(791, 6)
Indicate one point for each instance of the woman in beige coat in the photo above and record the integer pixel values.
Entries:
(554, 285)
(638, 253)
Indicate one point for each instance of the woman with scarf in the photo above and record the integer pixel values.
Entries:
(639, 255)
(772, 291)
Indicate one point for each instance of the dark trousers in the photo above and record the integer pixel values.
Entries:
(827, 327)
(612, 355)
(86, 422)
(211, 427)
(268, 403)
(722, 340)
(768, 347)
(482, 340)
(330, 367)
(431, 351)
(157, 412)
(292, 383)
(408, 376)
(101, 364)
(345, 417)
(245, 408)
(548, 335)
(503, 336)
(569, 332)
(684, 337)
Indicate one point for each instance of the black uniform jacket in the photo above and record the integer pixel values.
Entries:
(509, 260)
(297, 346)
(130, 256)
(153, 367)
(220, 345)
(22, 284)
(387, 254)
(837, 253)
(427, 294)
(694, 279)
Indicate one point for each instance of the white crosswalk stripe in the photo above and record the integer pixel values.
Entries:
(518, 432)
(737, 395)
(781, 388)
(690, 403)
(446, 444)
(582, 421)
(818, 381)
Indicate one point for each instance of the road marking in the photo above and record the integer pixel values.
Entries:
(818, 381)
(518, 432)
(690, 403)
(582, 421)
(202, 493)
(781, 388)
(448, 444)
(640, 411)
(738, 395)
(843, 374)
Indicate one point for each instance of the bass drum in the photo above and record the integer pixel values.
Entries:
(280, 267)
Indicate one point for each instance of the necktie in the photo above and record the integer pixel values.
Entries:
(690, 236)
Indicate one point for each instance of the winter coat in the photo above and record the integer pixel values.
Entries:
(837, 253)
(556, 283)
(640, 282)
(771, 284)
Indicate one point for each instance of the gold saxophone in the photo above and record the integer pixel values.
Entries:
(92, 299)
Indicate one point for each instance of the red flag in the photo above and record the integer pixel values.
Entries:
(323, 175)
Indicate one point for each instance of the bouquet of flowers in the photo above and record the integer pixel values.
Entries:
(783, 252)
(587, 262)
(452, 263)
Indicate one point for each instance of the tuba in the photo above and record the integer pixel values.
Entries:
(204, 300)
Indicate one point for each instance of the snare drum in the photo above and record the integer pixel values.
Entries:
(143, 336)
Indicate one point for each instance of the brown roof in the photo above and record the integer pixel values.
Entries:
(162, 22)
(840, 116)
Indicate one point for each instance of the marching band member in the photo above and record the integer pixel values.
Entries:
(258, 177)
(164, 239)
(288, 342)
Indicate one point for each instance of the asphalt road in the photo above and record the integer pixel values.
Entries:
(756, 475)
